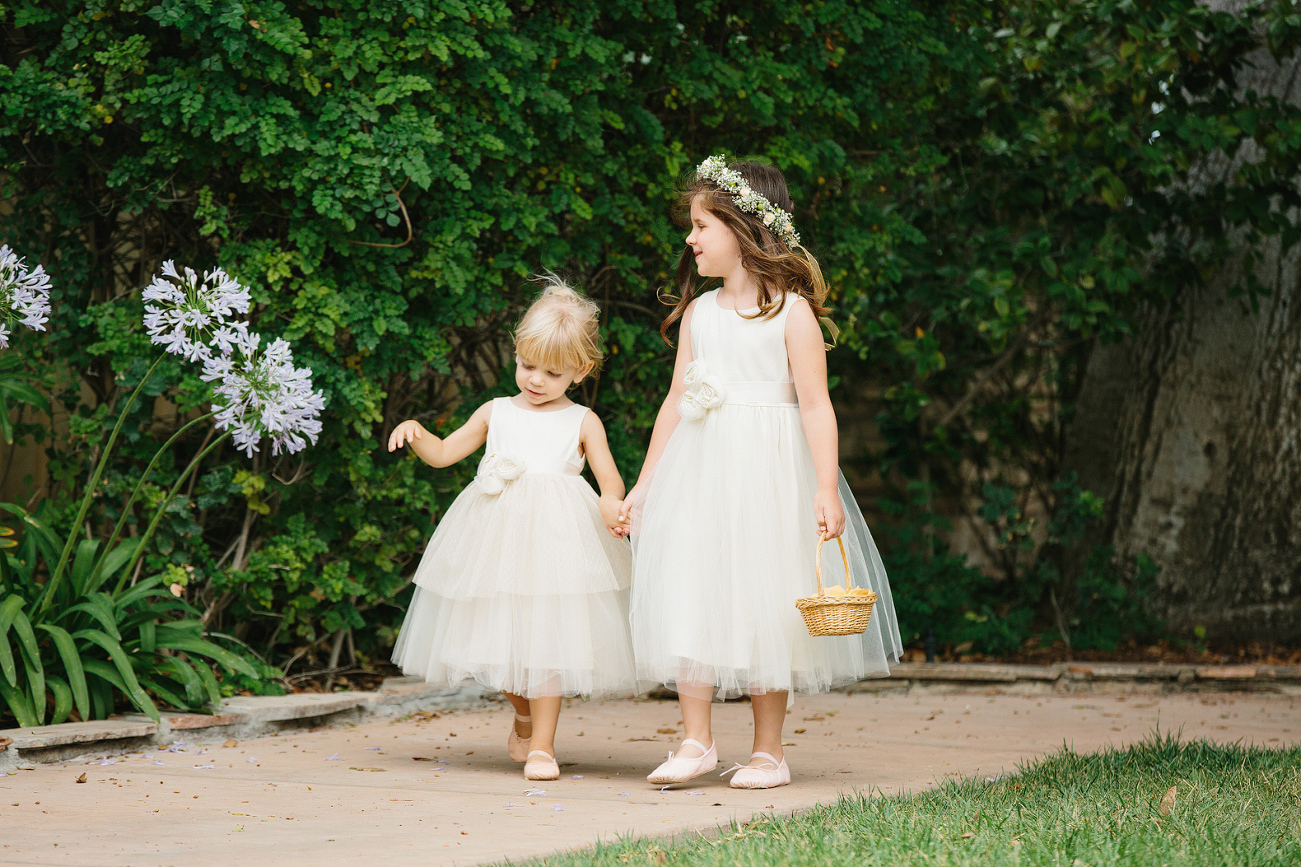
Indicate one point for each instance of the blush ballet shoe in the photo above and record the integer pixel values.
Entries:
(516, 746)
(679, 769)
(544, 768)
(771, 774)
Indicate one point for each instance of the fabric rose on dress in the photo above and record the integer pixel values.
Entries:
(496, 472)
(704, 392)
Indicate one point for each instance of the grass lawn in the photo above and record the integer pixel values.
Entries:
(1230, 806)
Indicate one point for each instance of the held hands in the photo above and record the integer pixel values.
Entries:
(830, 513)
(634, 500)
(609, 507)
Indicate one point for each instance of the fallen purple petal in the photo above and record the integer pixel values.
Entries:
(559, 808)
(203, 767)
(540, 793)
(695, 792)
(251, 759)
(576, 777)
(333, 758)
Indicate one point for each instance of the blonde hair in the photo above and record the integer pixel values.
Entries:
(561, 329)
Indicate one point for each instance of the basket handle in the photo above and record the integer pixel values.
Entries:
(849, 580)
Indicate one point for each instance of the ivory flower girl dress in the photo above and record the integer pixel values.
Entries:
(521, 587)
(725, 541)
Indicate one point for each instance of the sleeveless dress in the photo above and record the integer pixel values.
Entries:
(726, 537)
(521, 587)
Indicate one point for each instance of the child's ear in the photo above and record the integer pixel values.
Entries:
(583, 372)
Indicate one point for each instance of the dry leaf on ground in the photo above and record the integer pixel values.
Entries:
(1168, 802)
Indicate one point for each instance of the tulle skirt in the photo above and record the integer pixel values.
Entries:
(724, 544)
(524, 592)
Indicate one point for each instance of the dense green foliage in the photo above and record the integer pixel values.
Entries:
(1231, 805)
(984, 185)
(78, 645)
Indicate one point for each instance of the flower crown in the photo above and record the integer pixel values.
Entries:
(715, 169)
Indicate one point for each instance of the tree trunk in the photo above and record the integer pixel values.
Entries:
(1192, 431)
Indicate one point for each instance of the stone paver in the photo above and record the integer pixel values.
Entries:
(440, 790)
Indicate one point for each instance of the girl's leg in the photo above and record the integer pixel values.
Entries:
(696, 703)
(521, 705)
(769, 717)
(546, 716)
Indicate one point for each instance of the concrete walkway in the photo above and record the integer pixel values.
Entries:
(440, 789)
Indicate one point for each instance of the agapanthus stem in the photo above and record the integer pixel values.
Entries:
(57, 575)
(126, 509)
(162, 507)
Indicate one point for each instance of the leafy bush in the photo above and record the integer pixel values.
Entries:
(988, 186)
(78, 645)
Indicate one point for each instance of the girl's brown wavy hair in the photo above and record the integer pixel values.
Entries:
(777, 269)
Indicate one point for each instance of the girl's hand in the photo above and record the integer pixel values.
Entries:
(830, 513)
(407, 432)
(630, 502)
(610, 515)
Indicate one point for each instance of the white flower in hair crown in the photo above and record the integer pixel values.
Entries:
(715, 169)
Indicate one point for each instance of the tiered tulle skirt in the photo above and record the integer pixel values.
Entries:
(723, 546)
(524, 592)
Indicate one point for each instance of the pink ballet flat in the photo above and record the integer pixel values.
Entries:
(679, 769)
(516, 746)
(761, 777)
(541, 769)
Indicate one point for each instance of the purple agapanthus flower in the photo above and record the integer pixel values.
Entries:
(24, 295)
(260, 393)
(183, 310)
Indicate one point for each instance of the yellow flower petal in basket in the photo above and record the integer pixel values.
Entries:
(835, 590)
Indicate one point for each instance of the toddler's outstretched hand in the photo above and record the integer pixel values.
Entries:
(407, 432)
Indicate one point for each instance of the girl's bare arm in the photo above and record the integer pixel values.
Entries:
(597, 449)
(667, 419)
(808, 360)
(443, 452)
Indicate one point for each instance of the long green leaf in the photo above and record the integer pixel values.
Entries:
(165, 692)
(131, 690)
(228, 660)
(79, 574)
(115, 652)
(209, 683)
(149, 636)
(8, 608)
(32, 662)
(18, 704)
(101, 689)
(111, 563)
(188, 677)
(27, 394)
(96, 608)
(146, 588)
(67, 649)
(7, 663)
(62, 699)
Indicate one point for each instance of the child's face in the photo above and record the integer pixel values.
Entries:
(540, 385)
(716, 249)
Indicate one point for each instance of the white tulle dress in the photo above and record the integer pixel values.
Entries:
(521, 587)
(724, 542)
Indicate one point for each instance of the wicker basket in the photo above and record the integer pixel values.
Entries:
(836, 615)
